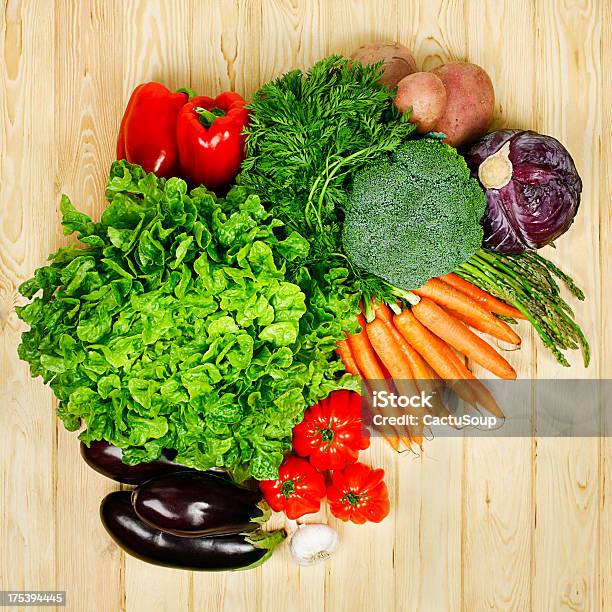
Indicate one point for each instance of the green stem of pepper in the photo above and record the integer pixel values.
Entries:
(207, 117)
(187, 90)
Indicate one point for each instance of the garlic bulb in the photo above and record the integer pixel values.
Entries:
(313, 543)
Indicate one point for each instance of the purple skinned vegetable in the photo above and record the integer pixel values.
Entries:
(192, 504)
(235, 551)
(532, 188)
(107, 460)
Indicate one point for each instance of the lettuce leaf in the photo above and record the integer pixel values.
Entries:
(175, 326)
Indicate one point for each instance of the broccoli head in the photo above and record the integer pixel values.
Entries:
(413, 215)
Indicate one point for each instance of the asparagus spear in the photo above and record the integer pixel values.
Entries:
(527, 281)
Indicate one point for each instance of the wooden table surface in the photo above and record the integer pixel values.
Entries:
(476, 524)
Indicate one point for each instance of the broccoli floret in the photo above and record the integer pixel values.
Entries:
(414, 215)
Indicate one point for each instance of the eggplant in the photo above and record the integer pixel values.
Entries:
(192, 504)
(236, 551)
(107, 460)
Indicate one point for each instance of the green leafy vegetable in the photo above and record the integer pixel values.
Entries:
(414, 215)
(308, 134)
(175, 326)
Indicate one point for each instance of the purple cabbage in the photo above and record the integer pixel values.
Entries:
(532, 188)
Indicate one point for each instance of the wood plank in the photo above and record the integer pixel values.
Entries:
(568, 91)
(155, 48)
(295, 35)
(605, 311)
(27, 479)
(497, 479)
(224, 49)
(88, 90)
(155, 44)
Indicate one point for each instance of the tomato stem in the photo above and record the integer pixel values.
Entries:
(287, 488)
(327, 434)
(352, 498)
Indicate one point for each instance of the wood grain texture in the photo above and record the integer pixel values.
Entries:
(604, 168)
(567, 480)
(522, 524)
(498, 480)
(83, 146)
(27, 450)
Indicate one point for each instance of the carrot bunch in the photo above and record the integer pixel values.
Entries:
(424, 346)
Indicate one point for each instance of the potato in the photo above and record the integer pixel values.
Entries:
(399, 62)
(425, 93)
(469, 102)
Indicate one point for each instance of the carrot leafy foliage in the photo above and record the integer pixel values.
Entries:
(309, 133)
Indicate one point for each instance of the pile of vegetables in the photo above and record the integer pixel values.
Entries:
(330, 438)
(258, 264)
(309, 133)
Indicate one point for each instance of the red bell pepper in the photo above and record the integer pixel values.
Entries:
(211, 140)
(358, 494)
(147, 135)
(298, 490)
(332, 434)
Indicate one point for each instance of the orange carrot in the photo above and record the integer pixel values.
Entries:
(434, 350)
(509, 335)
(393, 359)
(445, 362)
(421, 370)
(389, 352)
(390, 386)
(466, 318)
(455, 333)
(363, 353)
(383, 312)
(424, 376)
(472, 312)
(484, 396)
(344, 352)
(485, 299)
(368, 365)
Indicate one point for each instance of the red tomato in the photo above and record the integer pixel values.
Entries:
(298, 490)
(358, 494)
(332, 434)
